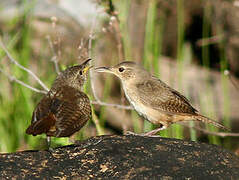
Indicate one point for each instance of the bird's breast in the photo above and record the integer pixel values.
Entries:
(134, 100)
(150, 114)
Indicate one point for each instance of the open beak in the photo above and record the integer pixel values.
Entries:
(103, 69)
(86, 62)
(86, 69)
(87, 66)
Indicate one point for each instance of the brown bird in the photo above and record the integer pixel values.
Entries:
(153, 99)
(65, 109)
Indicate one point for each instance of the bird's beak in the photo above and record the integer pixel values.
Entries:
(86, 62)
(87, 66)
(103, 69)
(85, 70)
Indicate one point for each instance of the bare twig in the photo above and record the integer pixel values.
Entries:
(114, 21)
(54, 59)
(22, 67)
(90, 54)
(210, 40)
(221, 134)
(227, 73)
(98, 101)
(13, 78)
(112, 105)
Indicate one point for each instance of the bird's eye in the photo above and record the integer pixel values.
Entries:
(121, 69)
(81, 73)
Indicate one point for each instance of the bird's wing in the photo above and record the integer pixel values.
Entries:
(42, 118)
(61, 113)
(72, 110)
(159, 96)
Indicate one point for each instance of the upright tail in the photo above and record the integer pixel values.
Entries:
(210, 121)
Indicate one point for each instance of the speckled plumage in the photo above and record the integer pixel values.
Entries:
(152, 98)
(65, 109)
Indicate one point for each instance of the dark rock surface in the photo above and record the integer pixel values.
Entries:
(123, 157)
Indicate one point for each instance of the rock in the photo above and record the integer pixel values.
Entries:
(123, 157)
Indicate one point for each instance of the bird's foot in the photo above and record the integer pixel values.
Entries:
(48, 141)
(131, 133)
(148, 134)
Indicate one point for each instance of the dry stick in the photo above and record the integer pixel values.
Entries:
(227, 73)
(116, 25)
(113, 105)
(81, 46)
(210, 40)
(13, 78)
(119, 40)
(118, 36)
(94, 117)
(22, 67)
(98, 101)
(54, 59)
(221, 134)
(56, 55)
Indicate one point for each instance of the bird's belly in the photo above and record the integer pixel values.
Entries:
(141, 109)
(152, 115)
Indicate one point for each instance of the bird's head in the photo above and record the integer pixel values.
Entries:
(126, 71)
(74, 76)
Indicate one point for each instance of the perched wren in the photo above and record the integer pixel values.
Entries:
(65, 109)
(152, 98)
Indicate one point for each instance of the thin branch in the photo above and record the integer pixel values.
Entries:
(221, 134)
(22, 67)
(210, 40)
(114, 21)
(98, 101)
(112, 105)
(54, 59)
(90, 54)
(13, 78)
(227, 73)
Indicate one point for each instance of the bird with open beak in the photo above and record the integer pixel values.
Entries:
(65, 109)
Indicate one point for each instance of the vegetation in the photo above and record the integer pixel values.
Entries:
(17, 102)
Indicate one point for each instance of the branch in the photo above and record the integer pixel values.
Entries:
(98, 101)
(22, 67)
(13, 78)
(114, 21)
(54, 59)
(227, 73)
(210, 40)
(221, 134)
(112, 105)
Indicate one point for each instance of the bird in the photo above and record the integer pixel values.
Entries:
(65, 109)
(153, 99)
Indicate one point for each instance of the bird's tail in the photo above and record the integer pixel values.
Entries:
(210, 121)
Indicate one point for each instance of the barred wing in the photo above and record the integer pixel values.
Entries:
(61, 113)
(159, 96)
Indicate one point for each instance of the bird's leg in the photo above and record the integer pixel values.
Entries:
(150, 133)
(48, 140)
(153, 132)
(132, 133)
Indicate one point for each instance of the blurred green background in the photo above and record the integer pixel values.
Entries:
(188, 44)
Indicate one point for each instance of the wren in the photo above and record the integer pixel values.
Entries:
(65, 109)
(153, 99)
